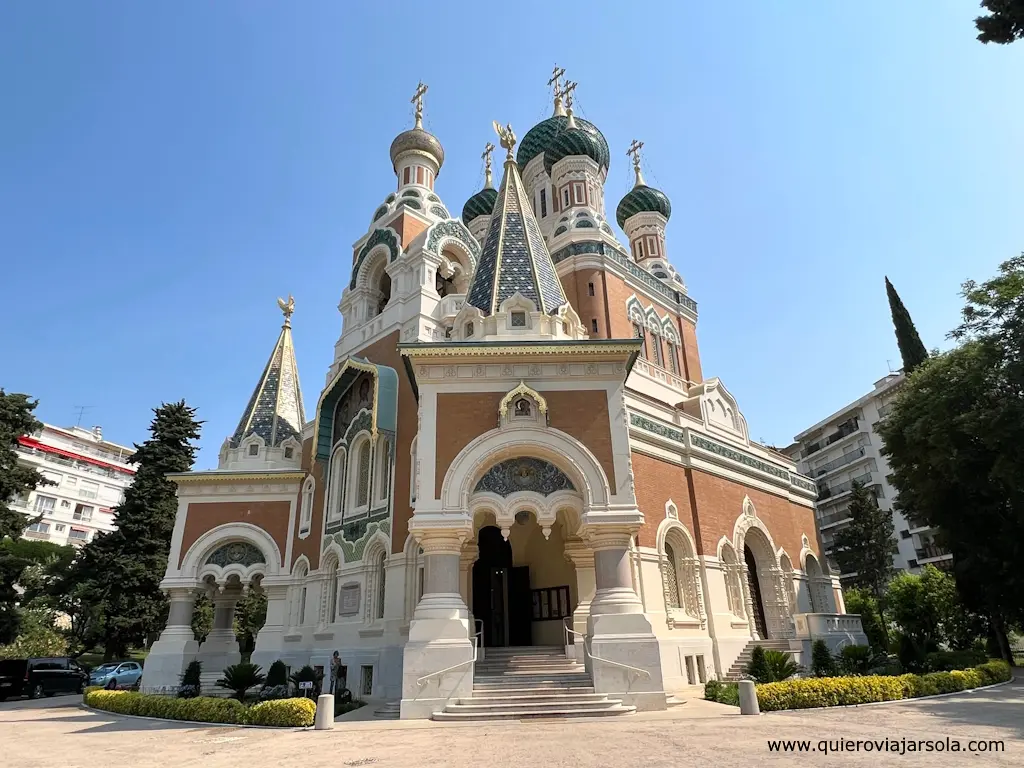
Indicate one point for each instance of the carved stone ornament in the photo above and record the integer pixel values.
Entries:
(237, 552)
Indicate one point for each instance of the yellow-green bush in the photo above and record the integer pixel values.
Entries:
(282, 712)
(90, 688)
(809, 692)
(205, 709)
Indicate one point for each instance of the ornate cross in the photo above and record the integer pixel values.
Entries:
(634, 152)
(417, 99)
(556, 75)
(487, 163)
(567, 90)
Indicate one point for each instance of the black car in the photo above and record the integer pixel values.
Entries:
(40, 677)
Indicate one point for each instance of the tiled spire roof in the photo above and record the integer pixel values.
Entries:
(275, 410)
(515, 258)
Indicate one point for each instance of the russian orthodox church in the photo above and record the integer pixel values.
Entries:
(516, 467)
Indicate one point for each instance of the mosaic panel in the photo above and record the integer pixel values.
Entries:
(524, 474)
(236, 553)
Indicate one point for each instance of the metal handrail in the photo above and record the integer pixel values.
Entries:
(588, 652)
(477, 639)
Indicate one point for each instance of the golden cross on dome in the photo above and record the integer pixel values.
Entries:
(487, 164)
(556, 76)
(287, 309)
(417, 99)
(507, 138)
(634, 152)
(567, 90)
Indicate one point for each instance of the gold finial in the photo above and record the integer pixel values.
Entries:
(488, 184)
(634, 152)
(556, 75)
(507, 139)
(417, 99)
(567, 90)
(287, 308)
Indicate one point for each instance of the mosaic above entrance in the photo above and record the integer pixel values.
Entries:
(237, 552)
(525, 474)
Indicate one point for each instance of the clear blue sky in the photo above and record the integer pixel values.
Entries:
(168, 169)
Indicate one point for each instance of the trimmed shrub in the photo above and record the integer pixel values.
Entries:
(723, 693)
(298, 713)
(758, 667)
(191, 685)
(856, 659)
(277, 674)
(822, 663)
(947, 661)
(90, 688)
(843, 691)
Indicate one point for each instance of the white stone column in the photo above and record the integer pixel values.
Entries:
(582, 558)
(625, 655)
(439, 635)
(220, 649)
(270, 640)
(177, 645)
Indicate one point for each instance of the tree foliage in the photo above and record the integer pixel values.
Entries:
(864, 546)
(1005, 22)
(250, 616)
(16, 481)
(912, 349)
(866, 605)
(36, 638)
(119, 573)
(955, 443)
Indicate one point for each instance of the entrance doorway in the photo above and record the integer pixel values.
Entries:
(754, 585)
(501, 592)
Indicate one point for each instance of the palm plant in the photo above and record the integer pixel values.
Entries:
(239, 678)
(769, 666)
(308, 675)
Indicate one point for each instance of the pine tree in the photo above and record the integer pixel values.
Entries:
(120, 573)
(912, 350)
(864, 546)
(16, 481)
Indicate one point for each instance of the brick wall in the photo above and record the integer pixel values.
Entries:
(200, 517)
(310, 546)
(461, 418)
(584, 415)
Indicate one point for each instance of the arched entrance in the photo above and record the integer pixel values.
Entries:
(754, 586)
(501, 592)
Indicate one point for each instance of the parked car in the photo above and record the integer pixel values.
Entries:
(40, 677)
(118, 674)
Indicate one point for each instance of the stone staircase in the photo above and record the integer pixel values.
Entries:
(531, 682)
(739, 667)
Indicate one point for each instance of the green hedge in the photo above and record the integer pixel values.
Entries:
(808, 692)
(723, 693)
(203, 709)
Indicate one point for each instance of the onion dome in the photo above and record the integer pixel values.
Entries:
(555, 137)
(480, 204)
(641, 199)
(417, 140)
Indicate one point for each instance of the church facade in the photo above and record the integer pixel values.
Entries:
(515, 447)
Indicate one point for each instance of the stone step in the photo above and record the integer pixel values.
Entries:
(527, 713)
(522, 680)
(561, 669)
(390, 710)
(535, 706)
(539, 690)
(569, 696)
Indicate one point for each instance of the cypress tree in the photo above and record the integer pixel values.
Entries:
(912, 350)
(120, 572)
(865, 545)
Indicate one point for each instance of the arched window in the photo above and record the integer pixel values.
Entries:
(639, 333)
(381, 576)
(363, 492)
(335, 501)
(306, 508)
(444, 285)
(382, 473)
(330, 591)
(383, 291)
(671, 577)
(357, 497)
(298, 614)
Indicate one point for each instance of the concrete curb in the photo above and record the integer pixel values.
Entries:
(894, 701)
(87, 708)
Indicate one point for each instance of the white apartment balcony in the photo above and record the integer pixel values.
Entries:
(829, 496)
(845, 460)
(831, 520)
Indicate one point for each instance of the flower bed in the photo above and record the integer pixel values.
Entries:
(202, 709)
(807, 692)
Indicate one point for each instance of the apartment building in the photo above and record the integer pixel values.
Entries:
(845, 447)
(87, 478)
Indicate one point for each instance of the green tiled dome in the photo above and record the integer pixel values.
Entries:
(547, 134)
(640, 199)
(480, 204)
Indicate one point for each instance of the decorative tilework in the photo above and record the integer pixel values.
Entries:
(583, 223)
(455, 230)
(380, 212)
(236, 553)
(546, 133)
(656, 427)
(353, 538)
(440, 210)
(560, 230)
(379, 236)
(738, 456)
(433, 198)
(642, 199)
(524, 474)
(410, 193)
(408, 203)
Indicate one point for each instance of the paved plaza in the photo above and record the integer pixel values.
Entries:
(58, 732)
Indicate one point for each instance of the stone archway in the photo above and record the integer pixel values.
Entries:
(764, 581)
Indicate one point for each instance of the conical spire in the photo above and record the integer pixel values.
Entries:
(275, 410)
(514, 258)
(912, 349)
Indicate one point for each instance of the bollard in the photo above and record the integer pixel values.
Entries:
(324, 720)
(748, 698)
